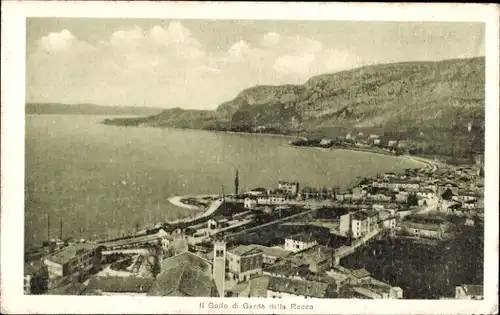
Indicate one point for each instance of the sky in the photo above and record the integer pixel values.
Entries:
(199, 64)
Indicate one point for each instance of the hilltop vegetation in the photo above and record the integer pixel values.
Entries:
(430, 103)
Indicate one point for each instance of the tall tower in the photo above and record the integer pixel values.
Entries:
(61, 229)
(236, 183)
(48, 228)
(219, 269)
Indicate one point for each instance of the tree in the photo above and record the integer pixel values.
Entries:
(137, 226)
(40, 281)
(393, 197)
(156, 253)
(350, 236)
(412, 200)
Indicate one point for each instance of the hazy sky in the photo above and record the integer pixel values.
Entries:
(202, 63)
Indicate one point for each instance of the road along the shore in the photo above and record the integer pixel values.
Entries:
(214, 205)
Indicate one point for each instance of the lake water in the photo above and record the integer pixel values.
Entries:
(103, 180)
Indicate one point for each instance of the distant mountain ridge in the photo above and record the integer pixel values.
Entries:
(87, 109)
(434, 98)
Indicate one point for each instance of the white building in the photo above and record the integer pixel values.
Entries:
(392, 143)
(297, 243)
(426, 193)
(325, 141)
(244, 262)
(72, 259)
(250, 202)
(271, 200)
(358, 223)
(290, 188)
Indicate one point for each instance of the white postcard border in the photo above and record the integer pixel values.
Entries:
(12, 156)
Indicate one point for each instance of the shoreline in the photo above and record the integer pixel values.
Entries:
(427, 162)
(241, 132)
(177, 201)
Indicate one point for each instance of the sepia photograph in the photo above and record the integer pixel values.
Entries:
(278, 160)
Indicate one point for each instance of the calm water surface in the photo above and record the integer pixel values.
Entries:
(103, 180)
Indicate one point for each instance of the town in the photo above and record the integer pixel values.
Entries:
(286, 241)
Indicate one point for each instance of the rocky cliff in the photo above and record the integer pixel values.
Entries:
(421, 94)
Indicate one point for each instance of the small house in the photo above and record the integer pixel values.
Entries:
(300, 242)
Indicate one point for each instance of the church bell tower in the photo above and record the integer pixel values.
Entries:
(219, 266)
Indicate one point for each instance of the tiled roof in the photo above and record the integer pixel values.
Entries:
(135, 240)
(384, 214)
(259, 189)
(69, 252)
(363, 214)
(360, 273)
(271, 251)
(243, 250)
(187, 259)
(255, 287)
(120, 284)
(290, 267)
(239, 287)
(258, 286)
(312, 255)
(298, 287)
(183, 281)
(421, 226)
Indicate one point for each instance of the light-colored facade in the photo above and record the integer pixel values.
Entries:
(426, 193)
(72, 259)
(436, 231)
(271, 200)
(219, 267)
(27, 284)
(389, 223)
(299, 242)
(291, 188)
(244, 262)
(358, 223)
(326, 141)
(250, 202)
(392, 143)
